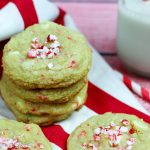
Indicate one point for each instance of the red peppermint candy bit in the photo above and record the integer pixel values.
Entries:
(90, 145)
(125, 122)
(51, 38)
(132, 131)
(73, 64)
(40, 145)
(132, 140)
(96, 137)
(119, 131)
(82, 133)
(120, 148)
(112, 137)
(42, 97)
(32, 53)
(27, 127)
(35, 40)
(33, 110)
(36, 46)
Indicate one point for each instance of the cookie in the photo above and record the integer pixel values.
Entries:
(42, 120)
(46, 55)
(41, 108)
(17, 135)
(111, 132)
(58, 95)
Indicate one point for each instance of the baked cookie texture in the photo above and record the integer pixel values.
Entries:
(45, 72)
(26, 107)
(19, 136)
(69, 66)
(57, 95)
(111, 132)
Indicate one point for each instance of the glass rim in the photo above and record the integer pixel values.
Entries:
(122, 3)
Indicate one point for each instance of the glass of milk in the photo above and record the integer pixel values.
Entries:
(133, 35)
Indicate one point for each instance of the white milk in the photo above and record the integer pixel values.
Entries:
(133, 35)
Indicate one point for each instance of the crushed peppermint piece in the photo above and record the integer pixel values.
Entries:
(96, 138)
(40, 145)
(120, 148)
(131, 131)
(49, 49)
(92, 146)
(73, 64)
(55, 44)
(50, 65)
(6, 144)
(51, 38)
(84, 145)
(129, 147)
(32, 53)
(82, 133)
(35, 40)
(114, 134)
(97, 131)
(123, 129)
(125, 122)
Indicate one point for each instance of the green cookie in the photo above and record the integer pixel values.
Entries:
(111, 132)
(42, 120)
(27, 58)
(40, 108)
(58, 95)
(20, 136)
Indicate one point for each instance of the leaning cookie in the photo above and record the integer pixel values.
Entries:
(46, 55)
(58, 95)
(111, 132)
(41, 108)
(42, 120)
(20, 136)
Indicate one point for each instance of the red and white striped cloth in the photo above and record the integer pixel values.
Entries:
(15, 15)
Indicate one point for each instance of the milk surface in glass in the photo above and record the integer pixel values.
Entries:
(133, 35)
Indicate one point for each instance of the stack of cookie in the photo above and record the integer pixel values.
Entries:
(45, 73)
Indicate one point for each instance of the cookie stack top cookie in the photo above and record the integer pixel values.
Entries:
(35, 59)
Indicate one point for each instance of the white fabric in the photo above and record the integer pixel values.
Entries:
(11, 21)
(74, 120)
(45, 10)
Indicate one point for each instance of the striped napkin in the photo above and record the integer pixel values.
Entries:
(106, 92)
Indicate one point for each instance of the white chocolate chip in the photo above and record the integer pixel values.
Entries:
(129, 147)
(53, 37)
(50, 65)
(97, 131)
(123, 129)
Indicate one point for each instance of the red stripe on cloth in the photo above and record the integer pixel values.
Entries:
(27, 11)
(60, 18)
(127, 82)
(145, 94)
(101, 102)
(57, 135)
(3, 3)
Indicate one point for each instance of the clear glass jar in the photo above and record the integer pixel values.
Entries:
(133, 35)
